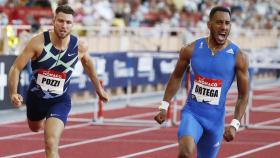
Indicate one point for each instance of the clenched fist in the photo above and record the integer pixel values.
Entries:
(229, 133)
(161, 116)
(16, 100)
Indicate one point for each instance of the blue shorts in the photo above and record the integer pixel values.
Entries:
(206, 134)
(39, 108)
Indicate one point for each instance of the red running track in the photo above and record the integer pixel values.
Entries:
(97, 141)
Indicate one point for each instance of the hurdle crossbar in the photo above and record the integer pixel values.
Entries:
(271, 108)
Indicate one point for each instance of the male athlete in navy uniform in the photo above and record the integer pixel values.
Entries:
(53, 55)
(214, 63)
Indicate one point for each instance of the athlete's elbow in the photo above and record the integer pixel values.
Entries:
(244, 98)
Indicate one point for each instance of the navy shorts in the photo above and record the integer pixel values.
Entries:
(39, 108)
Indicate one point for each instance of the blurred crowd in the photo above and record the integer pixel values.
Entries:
(190, 15)
(251, 14)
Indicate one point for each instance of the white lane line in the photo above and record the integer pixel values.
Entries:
(256, 150)
(149, 151)
(124, 117)
(259, 148)
(40, 132)
(266, 86)
(73, 126)
(171, 145)
(268, 122)
(137, 115)
(68, 127)
(82, 125)
(267, 98)
(86, 141)
(268, 106)
(158, 148)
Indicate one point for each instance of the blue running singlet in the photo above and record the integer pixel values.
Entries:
(203, 115)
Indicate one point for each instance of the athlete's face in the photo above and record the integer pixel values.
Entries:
(219, 27)
(63, 24)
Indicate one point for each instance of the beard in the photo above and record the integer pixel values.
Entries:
(219, 39)
(61, 35)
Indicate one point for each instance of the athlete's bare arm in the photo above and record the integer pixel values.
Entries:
(90, 70)
(175, 78)
(242, 77)
(177, 75)
(31, 51)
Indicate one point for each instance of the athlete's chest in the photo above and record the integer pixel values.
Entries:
(219, 66)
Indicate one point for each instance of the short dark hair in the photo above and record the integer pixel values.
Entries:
(65, 9)
(218, 8)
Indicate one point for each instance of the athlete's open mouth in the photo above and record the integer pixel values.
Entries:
(222, 36)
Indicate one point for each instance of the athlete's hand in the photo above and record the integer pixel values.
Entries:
(161, 116)
(16, 100)
(229, 133)
(103, 95)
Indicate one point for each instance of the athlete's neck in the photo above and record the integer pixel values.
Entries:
(214, 46)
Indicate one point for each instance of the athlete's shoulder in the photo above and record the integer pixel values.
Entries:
(199, 40)
(38, 38)
(189, 46)
(233, 48)
(242, 57)
(74, 36)
(36, 43)
(200, 44)
(187, 49)
(82, 45)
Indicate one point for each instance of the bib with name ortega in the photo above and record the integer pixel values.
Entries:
(211, 76)
(53, 69)
(207, 90)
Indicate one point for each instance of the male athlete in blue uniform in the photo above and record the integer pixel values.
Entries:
(53, 56)
(214, 63)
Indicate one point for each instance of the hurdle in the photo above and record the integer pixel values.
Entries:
(270, 60)
(99, 119)
(271, 108)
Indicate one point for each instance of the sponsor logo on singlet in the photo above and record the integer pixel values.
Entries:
(207, 90)
(216, 144)
(51, 81)
(230, 51)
